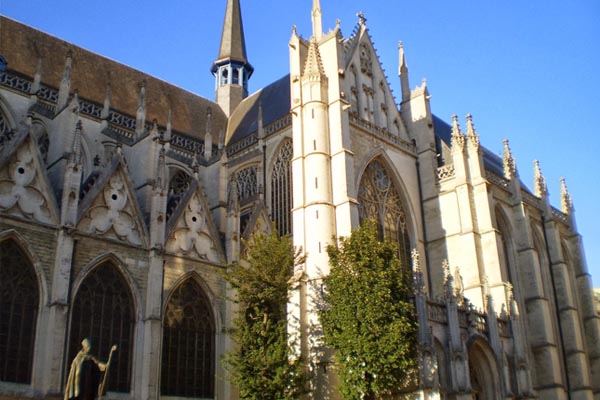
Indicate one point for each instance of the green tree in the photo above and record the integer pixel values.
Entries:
(368, 317)
(260, 364)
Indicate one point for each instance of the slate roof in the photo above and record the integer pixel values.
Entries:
(275, 101)
(22, 46)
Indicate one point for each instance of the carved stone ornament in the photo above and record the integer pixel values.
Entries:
(366, 64)
(191, 235)
(111, 214)
(21, 191)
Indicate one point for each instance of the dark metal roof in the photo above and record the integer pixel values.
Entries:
(275, 101)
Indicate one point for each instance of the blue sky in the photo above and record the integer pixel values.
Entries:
(526, 71)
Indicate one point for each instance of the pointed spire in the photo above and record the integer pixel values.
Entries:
(458, 139)
(233, 44)
(403, 73)
(566, 202)
(161, 173)
(418, 282)
(168, 131)
(539, 182)
(472, 135)
(317, 20)
(510, 166)
(65, 83)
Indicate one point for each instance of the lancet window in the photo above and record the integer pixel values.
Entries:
(19, 299)
(379, 200)
(188, 350)
(281, 192)
(103, 312)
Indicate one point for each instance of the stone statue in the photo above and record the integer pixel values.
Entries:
(85, 374)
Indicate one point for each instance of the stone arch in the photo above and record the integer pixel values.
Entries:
(189, 340)
(386, 203)
(104, 310)
(443, 368)
(484, 373)
(20, 306)
(280, 193)
(507, 251)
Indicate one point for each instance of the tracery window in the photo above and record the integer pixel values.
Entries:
(180, 182)
(281, 189)
(19, 299)
(379, 200)
(246, 183)
(188, 350)
(5, 132)
(103, 312)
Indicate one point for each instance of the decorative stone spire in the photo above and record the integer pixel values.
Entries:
(161, 173)
(317, 20)
(140, 117)
(472, 135)
(65, 83)
(510, 166)
(168, 131)
(403, 73)
(566, 202)
(539, 182)
(458, 139)
(313, 65)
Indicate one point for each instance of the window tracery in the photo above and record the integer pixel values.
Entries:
(188, 351)
(19, 299)
(281, 192)
(379, 200)
(103, 312)
(246, 183)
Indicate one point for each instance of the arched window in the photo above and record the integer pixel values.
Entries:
(379, 200)
(188, 349)
(178, 185)
(19, 299)
(281, 189)
(506, 255)
(6, 133)
(246, 184)
(103, 312)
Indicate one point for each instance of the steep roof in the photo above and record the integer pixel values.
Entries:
(275, 102)
(23, 46)
(233, 44)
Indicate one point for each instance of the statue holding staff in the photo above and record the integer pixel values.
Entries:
(85, 374)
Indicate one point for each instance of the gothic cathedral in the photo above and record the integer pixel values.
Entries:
(122, 198)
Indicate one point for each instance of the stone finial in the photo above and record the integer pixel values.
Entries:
(161, 173)
(458, 139)
(510, 166)
(361, 18)
(418, 282)
(65, 83)
(76, 145)
(74, 105)
(566, 202)
(261, 132)
(317, 21)
(208, 135)
(539, 182)
(448, 280)
(37, 78)
(403, 73)
(107, 97)
(140, 119)
(168, 131)
(472, 135)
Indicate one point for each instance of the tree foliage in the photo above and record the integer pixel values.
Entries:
(260, 364)
(368, 317)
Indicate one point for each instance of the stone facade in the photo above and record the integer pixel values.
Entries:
(122, 198)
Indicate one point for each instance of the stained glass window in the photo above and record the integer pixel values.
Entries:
(188, 350)
(103, 312)
(19, 299)
(281, 191)
(379, 200)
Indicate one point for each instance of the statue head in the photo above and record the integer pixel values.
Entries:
(86, 345)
